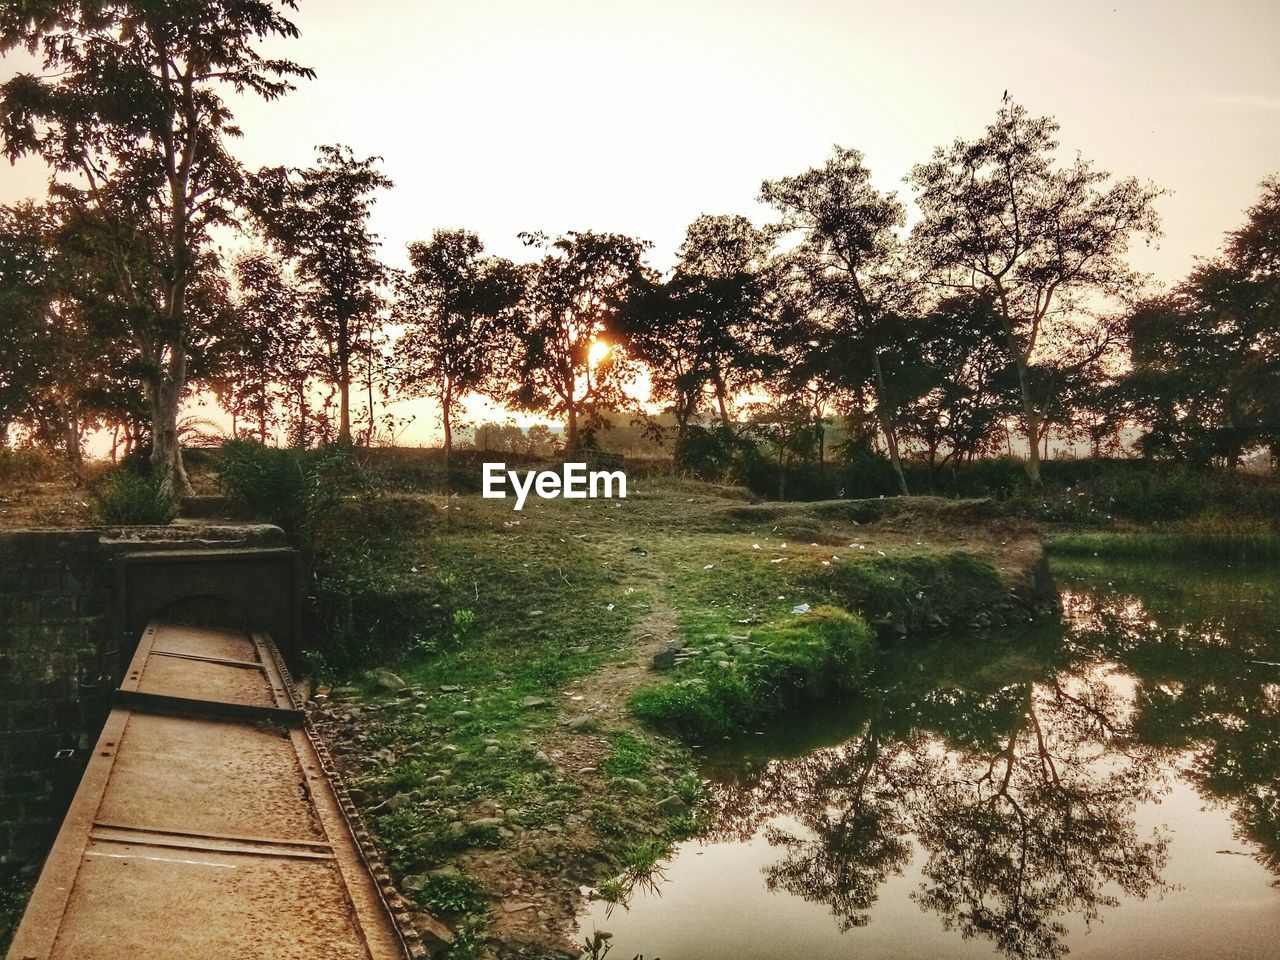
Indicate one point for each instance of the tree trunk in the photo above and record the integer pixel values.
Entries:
(71, 437)
(369, 385)
(720, 398)
(571, 429)
(344, 388)
(302, 416)
(1030, 415)
(890, 434)
(166, 450)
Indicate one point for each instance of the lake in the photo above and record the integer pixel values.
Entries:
(1106, 788)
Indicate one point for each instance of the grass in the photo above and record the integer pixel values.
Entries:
(130, 498)
(15, 889)
(495, 619)
(1221, 543)
(778, 667)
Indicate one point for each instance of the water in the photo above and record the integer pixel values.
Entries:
(1107, 789)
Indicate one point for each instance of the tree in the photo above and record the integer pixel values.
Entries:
(1206, 358)
(960, 346)
(702, 332)
(848, 270)
(455, 304)
(319, 218)
(1043, 242)
(570, 306)
(264, 360)
(131, 118)
(26, 300)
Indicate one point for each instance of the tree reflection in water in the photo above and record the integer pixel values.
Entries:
(1020, 796)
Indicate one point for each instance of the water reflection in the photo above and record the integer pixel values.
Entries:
(1012, 772)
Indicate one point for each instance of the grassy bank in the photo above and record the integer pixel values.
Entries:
(492, 694)
(1243, 543)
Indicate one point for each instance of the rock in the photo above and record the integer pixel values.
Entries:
(634, 785)
(542, 758)
(492, 749)
(386, 680)
(450, 688)
(414, 882)
(664, 660)
(742, 650)
(462, 714)
(448, 870)
(344, 693)
(724, 664)
(484, 822)
(530, 703)
(581, 724)
(583, 648)
(396, 802)
(672, 805)
(434, 781)
(515, 906)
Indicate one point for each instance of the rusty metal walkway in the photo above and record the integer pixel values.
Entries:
(206, 826)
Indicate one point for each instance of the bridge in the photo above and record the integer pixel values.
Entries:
(210, 823)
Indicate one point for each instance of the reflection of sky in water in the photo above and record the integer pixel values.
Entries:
(1000, 799)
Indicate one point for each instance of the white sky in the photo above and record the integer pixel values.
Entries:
(509, 115)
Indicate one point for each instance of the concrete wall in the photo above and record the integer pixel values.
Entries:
(71, 602)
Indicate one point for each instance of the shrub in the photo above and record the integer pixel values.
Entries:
(130, 498)
(295, 489)
(29, 464)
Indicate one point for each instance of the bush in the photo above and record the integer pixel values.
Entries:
(29, 464)
(709, 453)
(295, 489)
(130, 498)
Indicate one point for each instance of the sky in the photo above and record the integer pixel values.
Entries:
(510, 115)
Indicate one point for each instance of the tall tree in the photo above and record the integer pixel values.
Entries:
(1044, 242)
(1205, 381)
(455, 304)
(849, 267)
(261, 365)
(571, 304)
(319, 218)
(131, 118)
(27, 285)
(702, 332)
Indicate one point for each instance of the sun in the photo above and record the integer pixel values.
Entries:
(598, 352)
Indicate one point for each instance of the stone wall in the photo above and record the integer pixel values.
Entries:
(56, 656)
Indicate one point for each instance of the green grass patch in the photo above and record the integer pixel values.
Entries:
(629, 756)
(452, 895)
(792, 663)
(914, 591)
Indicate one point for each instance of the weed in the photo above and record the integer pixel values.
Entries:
(130, 498)
(452, 894)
